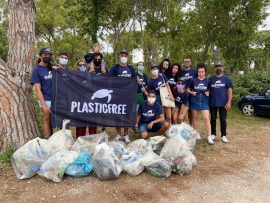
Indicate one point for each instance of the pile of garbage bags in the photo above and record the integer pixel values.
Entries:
(59, 155)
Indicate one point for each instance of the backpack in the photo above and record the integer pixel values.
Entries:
(116, 68)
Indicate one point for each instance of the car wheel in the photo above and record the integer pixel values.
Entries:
(248, 109)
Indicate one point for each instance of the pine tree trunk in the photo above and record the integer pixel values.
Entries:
(18, 122)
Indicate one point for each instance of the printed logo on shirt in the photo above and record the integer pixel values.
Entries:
(49, 76)
(149, 113)
(178, 99)
(104, 108)
(200, 87)
(171, 81)
(187, 77)
(125, 74)
(159, 84)
(218, 84)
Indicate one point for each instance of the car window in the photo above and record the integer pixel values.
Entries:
(267, 92)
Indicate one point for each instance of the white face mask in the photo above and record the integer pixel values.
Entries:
(154, 72)
(123, 60)
(151, 100)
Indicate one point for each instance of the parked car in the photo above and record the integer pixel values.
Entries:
(256, 103)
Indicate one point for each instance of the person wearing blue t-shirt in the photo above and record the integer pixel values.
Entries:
(122, 70)
(164, 66)
(158, 80)
(173, 75)
(150, 117)
(142, 85)
(220, 99)
(187, 74)
(181, 102)
(199, 90)
(42, 81)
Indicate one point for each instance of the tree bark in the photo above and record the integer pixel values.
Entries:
(18, 122)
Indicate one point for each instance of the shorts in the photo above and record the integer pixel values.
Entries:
(143, 127)
(178, 105)
(48, 103)
(199, 102)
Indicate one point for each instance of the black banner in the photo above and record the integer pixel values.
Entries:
(87, 99)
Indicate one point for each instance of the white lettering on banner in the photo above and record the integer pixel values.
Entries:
(97, 108)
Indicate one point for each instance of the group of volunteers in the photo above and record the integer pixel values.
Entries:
(189, 88)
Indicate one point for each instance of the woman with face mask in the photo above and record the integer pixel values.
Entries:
(174, 74)
(42, 82)
(158, 80)
(164, 66)
(199, 91)
(181, 102)
(142, 83)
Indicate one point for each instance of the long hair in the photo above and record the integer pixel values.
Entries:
(178, 74)
(160, 67)
(49, 64)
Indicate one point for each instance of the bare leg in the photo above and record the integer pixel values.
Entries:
(195, 119)
(144, 135)
(47, 123)
(190, 118)
(206, 120)
(163, 128)
(168, 113)
(118, 130)
(175, 112)
(125, 131)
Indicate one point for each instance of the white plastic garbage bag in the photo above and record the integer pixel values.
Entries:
(131, 162)
(117, 147)
(89, 142)
(60, 140)
(106, 163)
(184, 130)
(156, 166)
(140, 145)
(54, 167)
(157, 143)
(27, 160)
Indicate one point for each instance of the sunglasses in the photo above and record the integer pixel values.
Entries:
(180, 83)
(81, 64)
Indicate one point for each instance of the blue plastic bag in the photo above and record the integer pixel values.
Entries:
(81, 166)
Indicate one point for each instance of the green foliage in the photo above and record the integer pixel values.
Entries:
(5, 157)
(251, 82)
(3, 43)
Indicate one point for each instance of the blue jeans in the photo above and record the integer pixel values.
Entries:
(48, 103)
(143, 127)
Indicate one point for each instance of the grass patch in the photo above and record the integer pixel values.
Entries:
(5, 157)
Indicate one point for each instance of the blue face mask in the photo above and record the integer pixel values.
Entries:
(82, 68)
(63, 61)
(141, 68)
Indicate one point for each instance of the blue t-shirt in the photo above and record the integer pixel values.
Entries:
(199, 86)
(143, 82)
(218, 90)
(43, 76)
(188, 75)
(172, 82)
(154, 84)
(123, 71)
(98, 70)
(149, 113)
(181, 98)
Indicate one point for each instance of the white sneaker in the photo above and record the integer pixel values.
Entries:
(209, 140)
(224, 139)
(118, 137)
(213, 137)
(198, 136)
(127, 138)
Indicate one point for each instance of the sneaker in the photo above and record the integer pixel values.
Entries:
(213, 137)
(209, 140)
(198, 137)
(118, 137)
(224, 139)
(127, 138)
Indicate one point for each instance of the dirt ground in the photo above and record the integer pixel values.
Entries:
(234, 172)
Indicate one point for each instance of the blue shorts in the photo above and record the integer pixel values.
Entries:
(48, 103)
(143, 127)
(199, 102)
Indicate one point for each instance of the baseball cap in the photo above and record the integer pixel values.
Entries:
(63, 53)
(154, 65)
(181, 80)
(123, 51)
(219, 64)
(45, 50)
